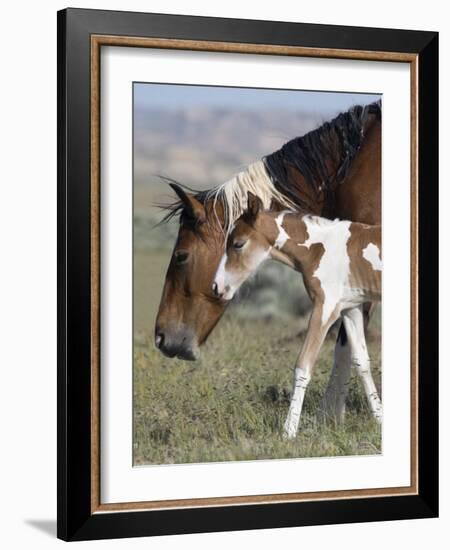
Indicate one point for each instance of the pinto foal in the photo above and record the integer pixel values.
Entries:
(341, 267)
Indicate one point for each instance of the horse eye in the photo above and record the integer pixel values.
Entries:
(237, 245)
(181, 257)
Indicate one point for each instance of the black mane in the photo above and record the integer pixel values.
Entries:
(307, 153)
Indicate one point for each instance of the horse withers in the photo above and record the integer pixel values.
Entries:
(341, 267)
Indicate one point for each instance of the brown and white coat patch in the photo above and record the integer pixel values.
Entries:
(341, 270)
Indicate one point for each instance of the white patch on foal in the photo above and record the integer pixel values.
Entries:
(372, 254)
(334, 267)
(282, 235)
(220, 273)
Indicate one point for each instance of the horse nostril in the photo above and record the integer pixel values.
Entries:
(159, 340)
(215, 288)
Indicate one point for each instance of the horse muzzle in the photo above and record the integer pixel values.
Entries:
(177, 343)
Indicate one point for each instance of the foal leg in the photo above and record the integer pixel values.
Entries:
(304, 366)
(354, 326)
(333, 402)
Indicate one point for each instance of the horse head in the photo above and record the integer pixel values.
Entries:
(189, 310)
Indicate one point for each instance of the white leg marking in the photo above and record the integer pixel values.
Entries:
(301, 381)
(354, 326)
(334, 268)
(305, 364)
(372, 254)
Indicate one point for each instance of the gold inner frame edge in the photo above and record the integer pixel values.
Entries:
(97, 41)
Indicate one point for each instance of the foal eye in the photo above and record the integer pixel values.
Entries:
(181, 257)
(237, 245)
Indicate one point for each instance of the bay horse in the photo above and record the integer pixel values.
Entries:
(340, 262)
(333, 171)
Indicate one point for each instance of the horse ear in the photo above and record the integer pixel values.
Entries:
(194, 208)
(254, 206)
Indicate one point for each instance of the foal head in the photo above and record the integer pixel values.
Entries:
(247, 247)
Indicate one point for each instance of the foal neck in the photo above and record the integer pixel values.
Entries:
(296, 239)
(282, 228)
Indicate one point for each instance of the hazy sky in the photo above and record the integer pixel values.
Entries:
(176, 96)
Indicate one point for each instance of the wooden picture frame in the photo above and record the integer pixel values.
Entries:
(81, 35)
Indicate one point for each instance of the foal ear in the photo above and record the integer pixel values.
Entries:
(254, 206)
(194, 208)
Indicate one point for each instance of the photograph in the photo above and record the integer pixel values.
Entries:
(257, 272)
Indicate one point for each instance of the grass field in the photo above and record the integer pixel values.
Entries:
(231, 404)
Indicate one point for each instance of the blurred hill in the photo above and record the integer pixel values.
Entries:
(204, 147)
